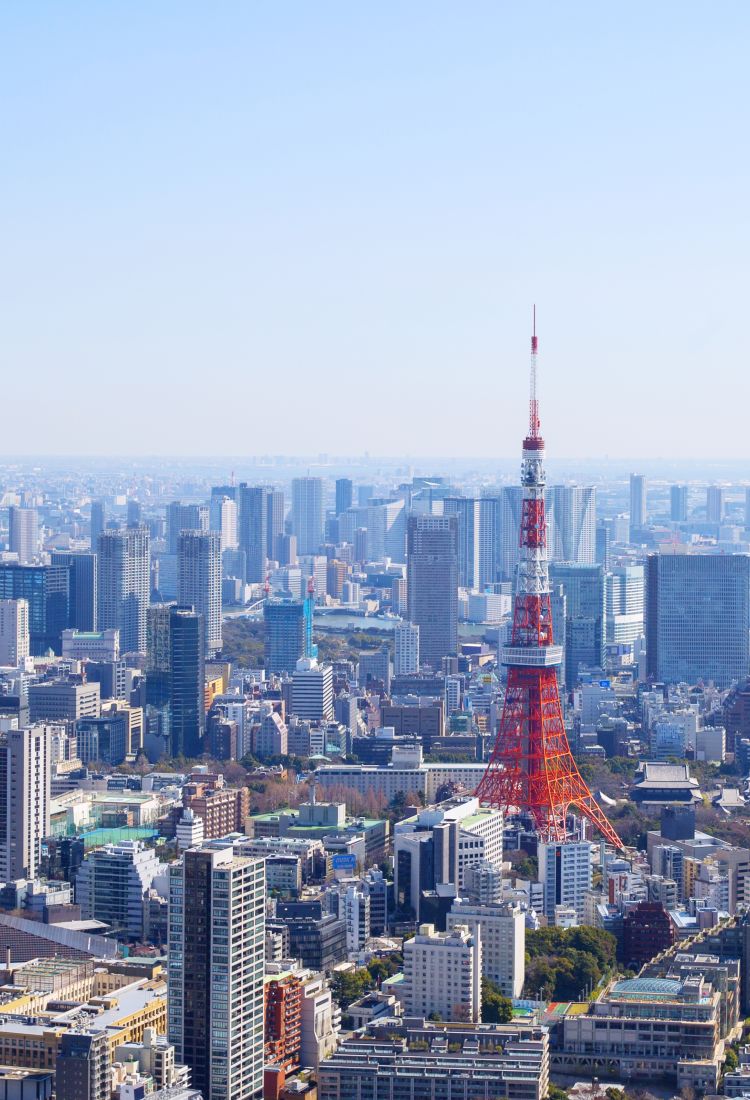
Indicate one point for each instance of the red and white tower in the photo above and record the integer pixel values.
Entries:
(532, 767)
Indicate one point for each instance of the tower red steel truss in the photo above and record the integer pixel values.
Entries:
(532, 767)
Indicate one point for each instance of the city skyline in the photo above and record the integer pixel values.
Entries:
(321, 195)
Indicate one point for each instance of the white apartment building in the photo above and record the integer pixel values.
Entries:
(502, 930)
(565, 872)
(14, 632)
(406, 657)
(25, 769)
(443, 974)
(312, 690)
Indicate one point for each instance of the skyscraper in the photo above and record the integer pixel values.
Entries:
(274, 521)
(386, 530)
(215, 970)
(489, 540)
(199, 554)
(307, 513)
(253, 530)
(287, 633)
(124, 586)
(406, 653)
(82, 586)
(583, 586)
(698, 617)
(715, 503)
(468, 513)
(638, 507)
(133, 513)
(572, 535)
(23, 533)
(46, 589)
(624, 599)
(432, 584)
(98, 521)
(175, 677)
(14, 632)
(678, 503)
(25, 768)
(223, 518)
(344, 494)
(184, 517)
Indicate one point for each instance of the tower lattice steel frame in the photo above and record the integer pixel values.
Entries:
(532, 767)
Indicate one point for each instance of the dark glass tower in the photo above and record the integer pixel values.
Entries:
(175, 676)
(83, 591)
(432, 584)
(253, 529)
(46, 589)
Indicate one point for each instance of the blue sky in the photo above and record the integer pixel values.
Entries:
(298, 227)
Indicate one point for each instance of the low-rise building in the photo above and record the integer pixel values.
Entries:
(648, 1029)
(424, 1061)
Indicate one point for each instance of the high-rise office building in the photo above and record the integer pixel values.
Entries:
(698, 617)
(638, 503)
(747, 507)
(386, 530)
(98, 521)
(344, 494)
(572, 532)
(406, 654)
(216, 969)
(603, 539)
(583, 586)
(468, 513)
(312, 690)
(288, 633)
(82, 586)
(307, 513)
(274, 521)
(23, 533)
(223, 518)
(432, 584)
(133, 513)
(566, 874)
(14, 632)
(715, 503)
(184, 517)
(489, 540)
(124, 585)
(175, 677)
(570, 512)
(25, 769)
(624, 598)
(678, 503)
(199, 554)
(46, 589)
(253, 530)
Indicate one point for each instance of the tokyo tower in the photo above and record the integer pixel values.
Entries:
(532, 767)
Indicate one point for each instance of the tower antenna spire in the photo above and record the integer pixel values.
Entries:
(534, 424)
